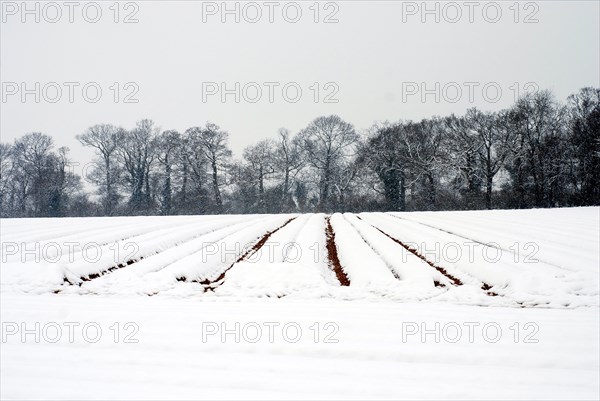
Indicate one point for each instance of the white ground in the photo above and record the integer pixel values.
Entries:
(538, 338)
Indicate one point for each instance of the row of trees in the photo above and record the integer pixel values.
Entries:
(538, 153)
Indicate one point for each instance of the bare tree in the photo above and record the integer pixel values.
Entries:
(62, 183)
(537, 153)
(193, 195)
(289, 161)
(31, 155)
(212, 142)
(535, 119)
(104, 138)
(168, 145)
(328, 141)
(463, 156)
(137, 152)
(6, 167)
(492, 139)
(42, 179)
(385, 153)
(584, 138)
(260, 161)
(427, 150)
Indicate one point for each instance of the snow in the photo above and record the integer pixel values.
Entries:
(515, 277)
(271, 279)
(189, 274)
(273, 270)
(563, 238)
(404, 264)
(312, 243)
(359, 261)
(369, 361)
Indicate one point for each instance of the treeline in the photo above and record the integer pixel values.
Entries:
(537, 153)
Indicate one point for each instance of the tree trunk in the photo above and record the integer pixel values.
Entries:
(215, 178)
(432, 191)
(488, 192)
(402, 193)
(183, 192)
(261, 189)
(108, 202)
(324, 201)
(391, 184)
(286, 189)
(167, 189)
(489, 179)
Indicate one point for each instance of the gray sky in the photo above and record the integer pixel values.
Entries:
(376, 56)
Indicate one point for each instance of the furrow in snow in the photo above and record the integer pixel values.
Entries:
(491, 270)
(274, 269)
(136, 249)
(211, 284)
(131, 280)
(362, 265)
(215, 257)
(332, 253)
(402, 261)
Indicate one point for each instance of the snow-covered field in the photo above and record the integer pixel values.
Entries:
(484, 304)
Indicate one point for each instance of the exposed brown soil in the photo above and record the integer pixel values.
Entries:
(455, 281)
(120, 265)
(487, 288)
(332, 254)
(110, 269)
(210, 285)
(334, 262)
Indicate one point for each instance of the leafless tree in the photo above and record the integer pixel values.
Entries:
(492, 139)
(212, 142)
(104, 138)
(584, 133)
(137, 152)
(168, 145)
(289, 161)
(260, 162)
(328, 142)
(6, 167)
(536, 119)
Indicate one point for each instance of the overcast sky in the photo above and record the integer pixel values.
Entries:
(374, 58)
